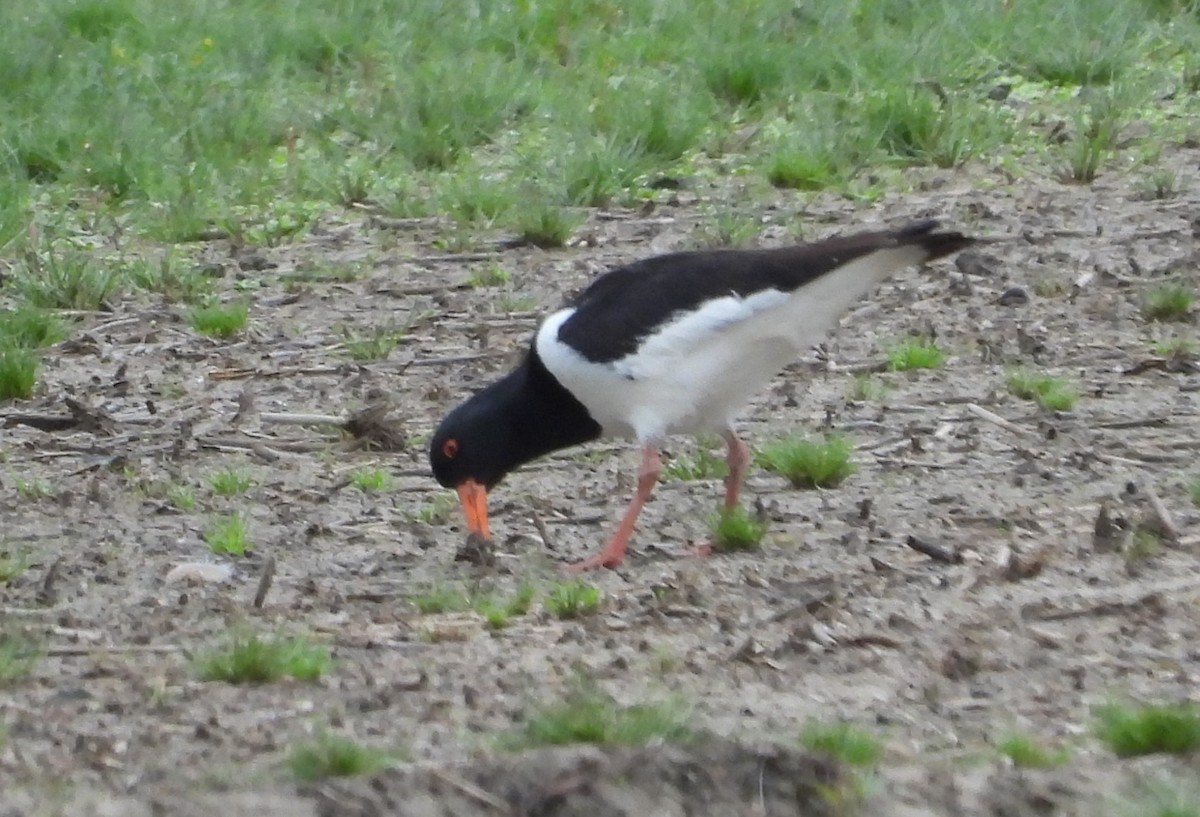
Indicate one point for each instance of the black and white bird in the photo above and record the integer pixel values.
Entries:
(676, 344)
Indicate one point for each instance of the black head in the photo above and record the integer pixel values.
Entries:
(472, 443)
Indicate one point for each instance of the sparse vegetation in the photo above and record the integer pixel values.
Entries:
(588, 716)
(1144, 544)
(737, 529)
(844, 741)
(1026, 752)
(915, 353)
(1131, 730)
(248, 658)
(230, 482)
(499, 612)
(1169, 302)
(376, 344)
(329, 755)
(573, 599)
(1194, 491)
(220, 320)
(492, 275)
(1049, 392)
(12, 565)
(18, 373)
(182, 497)
(810, 463)
(19, 654)
(703, 464)
(228, 536)
(1175, 347)
(441, 599)
(436, 511)
(865, 388)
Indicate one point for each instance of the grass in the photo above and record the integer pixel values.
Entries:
(18, 656)
(915, 353)
(182, 497)
(492, 275)
(842, 741)
(329, 755)
(220, 320)
(437, 511)
(12, 565)
(704, 464)
(1194, 491)
(865, 388)
(372, 480)
(498, 613)
(810, 463)
(1049, 392)
(441, 599)
(173, 278)
(1026, 752)
(545, 224)
(376, 344)
(587, 716)
(228, 536)
(1159, 184)
(248, 658)
(1132, 731)
(63, 277)
(573, 599)
(1175, 347)
(230, 482)
(24, 331)
(737, 529)
(18, 373)
(1144, 544)
(1169, 302)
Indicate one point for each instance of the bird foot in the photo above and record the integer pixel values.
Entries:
(702, 551)
(604, 558)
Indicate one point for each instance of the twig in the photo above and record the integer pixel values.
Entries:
(82, 649)
(264, 582)
(1166, 524)
(991, 417)
(288, 419)
(471, 790)
(542, 532)
(939, 553)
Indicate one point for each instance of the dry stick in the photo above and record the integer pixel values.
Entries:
(113, 648)
(471, 790)
(991, 417)
(542, 532)
(939, 553)
(1166, 523)
(264, 582)
(288, 419)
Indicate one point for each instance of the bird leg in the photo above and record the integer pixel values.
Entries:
(613, 553)
(737, 457)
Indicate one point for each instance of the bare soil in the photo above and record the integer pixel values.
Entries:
(1034, 621)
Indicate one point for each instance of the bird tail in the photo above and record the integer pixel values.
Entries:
(924, 234)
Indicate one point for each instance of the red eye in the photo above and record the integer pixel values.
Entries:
(450, 448)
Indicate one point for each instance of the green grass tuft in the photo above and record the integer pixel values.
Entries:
(441, 599)
(376, 344)
(18, 372)
(735, 530)
(228, 536)
(253, 659)
(842, 741)
(1170, 302)
(573, 599)
(18, 656)
(230, 482)
(1131, 731)
(545, 225)
(915, 353)
(587, 716)
(329, 756)
(58, 278)
(30, 327)
(1051, 393)
(372, 480)
(1026, 752)
(704, 464)
(220, 320)
(810, 463)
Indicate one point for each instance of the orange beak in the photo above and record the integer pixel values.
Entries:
(473, 498)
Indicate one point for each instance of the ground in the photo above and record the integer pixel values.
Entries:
(1035, 623)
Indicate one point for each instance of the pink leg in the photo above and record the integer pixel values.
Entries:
(613, 553)
(738, 458)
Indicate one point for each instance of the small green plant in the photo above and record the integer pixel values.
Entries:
(1144, 544)
(703, 465)
(728, 228)
(12, 565)
(1049, 287)
(498, 613)
(573, 599)
(436, 511)
(248, 658)
(220, 320)
(441, 599)
(18, 372)
(1026, 752)
(1131, 731)
(736, 529)
(1170, 302)
(60, 278)
(334, 756)
(800, 167)
(1160, 184)
(374, 345)
(864, 388)
(230, 482)
(843, 741)
(1096, 133)
(493, 275)
(173, 278)
(371, 480)
(810, 463)
(182, 497)
(228, 536)
(1175, 347)
(1194, 491)
(30, 327)
(915, 353)
(33, 488)
(18, 656)
(1051, 393)
(588, 716)
(545, 225)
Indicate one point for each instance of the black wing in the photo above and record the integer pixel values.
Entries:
(627, 304)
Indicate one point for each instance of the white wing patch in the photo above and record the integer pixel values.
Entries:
(700, 369)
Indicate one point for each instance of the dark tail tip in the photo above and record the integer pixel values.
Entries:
(936, 244)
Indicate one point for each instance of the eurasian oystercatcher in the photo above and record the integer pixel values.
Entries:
(668, 345)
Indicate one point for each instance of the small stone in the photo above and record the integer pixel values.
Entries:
(199, 573)
(1013, 296)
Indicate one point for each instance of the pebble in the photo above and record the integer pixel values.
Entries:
(199, 573)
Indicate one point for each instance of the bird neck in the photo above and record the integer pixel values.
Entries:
(544, 416)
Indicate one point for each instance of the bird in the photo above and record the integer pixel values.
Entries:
(670, 344)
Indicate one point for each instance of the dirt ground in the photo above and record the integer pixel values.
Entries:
(835, 617)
